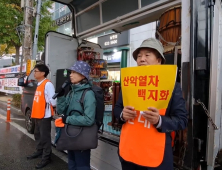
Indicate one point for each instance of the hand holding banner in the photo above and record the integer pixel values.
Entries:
(145, 87)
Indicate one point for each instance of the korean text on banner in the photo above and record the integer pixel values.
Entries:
(148, 86)
(30, 65)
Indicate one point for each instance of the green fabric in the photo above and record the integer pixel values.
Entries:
(71, 102)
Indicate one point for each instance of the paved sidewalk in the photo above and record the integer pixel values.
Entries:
(15, 146)
(103, 157)
(5, 98)
(3, 104)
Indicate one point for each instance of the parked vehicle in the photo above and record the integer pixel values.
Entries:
(199, 146)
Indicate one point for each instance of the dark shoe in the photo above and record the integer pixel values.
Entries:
(34, 155)
(42, 164)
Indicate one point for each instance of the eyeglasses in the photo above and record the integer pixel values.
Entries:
(36, 71)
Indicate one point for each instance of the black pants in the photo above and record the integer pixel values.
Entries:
(131, 166)
(79, 160)
(42, 136)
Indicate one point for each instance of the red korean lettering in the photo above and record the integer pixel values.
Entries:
(126, 81)
(153, 80)
(142, 93)
(164, 94)
(142, 80)
(153, 94)
(133, 80)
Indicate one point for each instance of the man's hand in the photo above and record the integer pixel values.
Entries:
(152, 115)
(129, 113)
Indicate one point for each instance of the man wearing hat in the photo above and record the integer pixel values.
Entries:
(151, 53)
(79, 78)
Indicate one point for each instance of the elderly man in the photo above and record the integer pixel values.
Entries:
(175, 118)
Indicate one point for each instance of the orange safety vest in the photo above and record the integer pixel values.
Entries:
(141, 143)
(39, 102)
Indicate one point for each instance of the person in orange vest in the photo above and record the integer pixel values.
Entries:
(42, 112)
(149, 148)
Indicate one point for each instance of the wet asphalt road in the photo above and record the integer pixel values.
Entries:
(15, 146)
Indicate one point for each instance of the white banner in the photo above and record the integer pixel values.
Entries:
(9, 85)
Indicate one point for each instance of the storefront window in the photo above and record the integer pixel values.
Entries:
(56, 6)
(56, 14)
(145, 2)
(62, 11)
(114, 74)
(61, 5)
(113, 67)
(61, 29)
(53, 16)
(61, 15)
(67, 10)
(67, 29)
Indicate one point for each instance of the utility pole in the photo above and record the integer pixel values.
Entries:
(28, 20)
(35, 44)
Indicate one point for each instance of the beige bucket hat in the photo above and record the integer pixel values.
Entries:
(151, 43)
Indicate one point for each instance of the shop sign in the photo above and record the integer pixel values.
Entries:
(64, 19)
(114, 40)
(113, 58)
(2, 76)
(10, 75)
(9, 85)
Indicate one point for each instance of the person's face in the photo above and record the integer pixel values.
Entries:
(76, 77)
(38, 74)
(146, 56)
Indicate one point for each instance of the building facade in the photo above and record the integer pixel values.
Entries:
(62, 17)
(117, 48)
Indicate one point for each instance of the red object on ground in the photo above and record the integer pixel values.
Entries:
(8, 111)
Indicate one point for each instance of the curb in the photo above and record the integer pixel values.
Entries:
(15, 110)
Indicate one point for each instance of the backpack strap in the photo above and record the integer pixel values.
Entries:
(66, 108)
(83, 96)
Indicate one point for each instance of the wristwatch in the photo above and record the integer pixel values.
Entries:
(121, 117)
